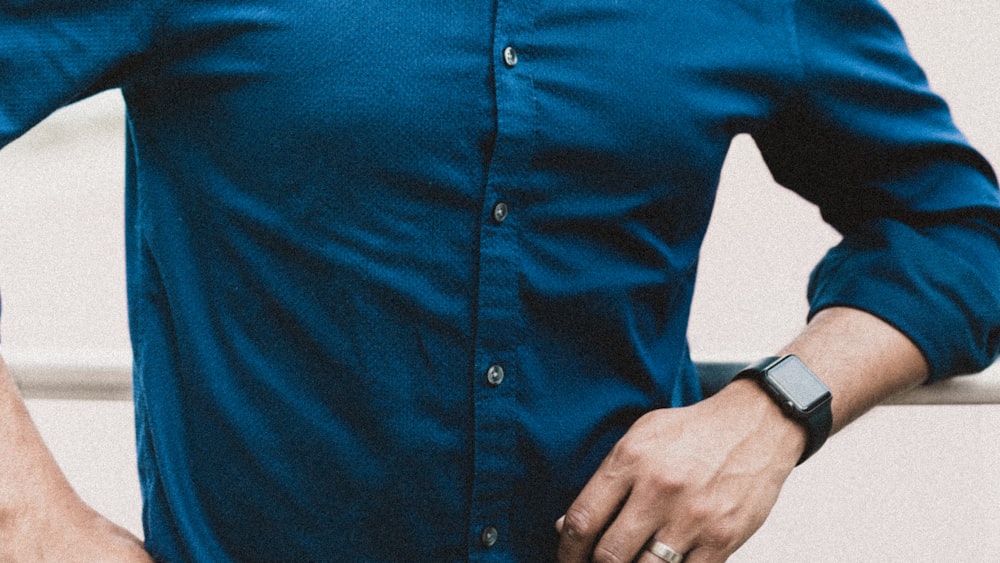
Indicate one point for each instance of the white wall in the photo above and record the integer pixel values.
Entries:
(906, 483)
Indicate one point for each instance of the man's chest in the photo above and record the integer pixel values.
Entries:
(634, 74)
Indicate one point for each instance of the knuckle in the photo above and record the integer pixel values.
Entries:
(667, 482)
(579, 523)
(627, 452)
(702, 512)
(723, 535)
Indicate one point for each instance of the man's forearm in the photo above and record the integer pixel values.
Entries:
(861, 358)
(28, 472)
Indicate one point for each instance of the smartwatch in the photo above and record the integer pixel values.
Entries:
(801, 395)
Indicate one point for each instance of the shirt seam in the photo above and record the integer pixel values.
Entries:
(797, 50)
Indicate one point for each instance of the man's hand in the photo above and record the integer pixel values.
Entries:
(76, 534)
(700, 479)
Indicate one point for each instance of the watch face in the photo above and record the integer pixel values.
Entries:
(797, 384)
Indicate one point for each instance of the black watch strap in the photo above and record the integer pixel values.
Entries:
(801, 395)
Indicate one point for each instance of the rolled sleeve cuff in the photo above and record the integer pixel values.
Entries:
(940, 287)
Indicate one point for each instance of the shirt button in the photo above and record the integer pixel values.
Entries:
(489, 536)
(509, 57)
(500, 212)
(494, 375)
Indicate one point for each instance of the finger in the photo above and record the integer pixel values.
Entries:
(628, 533)
(590, 514)
(705, 555)
(647, 556)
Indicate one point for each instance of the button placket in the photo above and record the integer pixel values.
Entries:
(499, 323)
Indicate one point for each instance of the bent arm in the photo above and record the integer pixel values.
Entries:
(910, 294)
(704, 478)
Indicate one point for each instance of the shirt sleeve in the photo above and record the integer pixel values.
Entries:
(863, 137)
(55, 52)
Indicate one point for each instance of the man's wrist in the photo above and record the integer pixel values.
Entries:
(792, 435)
(752, 409)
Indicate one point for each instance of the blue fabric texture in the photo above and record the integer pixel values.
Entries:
(318, 282)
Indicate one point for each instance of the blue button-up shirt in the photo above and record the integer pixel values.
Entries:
(399, 276)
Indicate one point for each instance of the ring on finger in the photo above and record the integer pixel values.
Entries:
(663, 551)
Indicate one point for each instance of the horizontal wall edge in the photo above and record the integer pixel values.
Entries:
(112, 380)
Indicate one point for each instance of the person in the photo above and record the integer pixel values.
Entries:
(412, 283)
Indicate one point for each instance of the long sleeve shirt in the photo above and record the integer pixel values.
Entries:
(400, 275)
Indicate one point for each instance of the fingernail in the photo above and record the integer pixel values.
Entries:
(559, 524)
